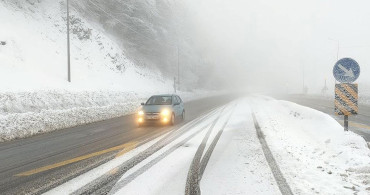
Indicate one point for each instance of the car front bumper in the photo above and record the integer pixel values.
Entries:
(153, 118)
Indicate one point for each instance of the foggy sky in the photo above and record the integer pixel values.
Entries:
(267, 44)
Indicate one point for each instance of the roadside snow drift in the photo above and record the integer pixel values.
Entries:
(29, 113)
(313, 151)
(23, 114)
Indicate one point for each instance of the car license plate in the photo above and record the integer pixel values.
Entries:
(152, 117)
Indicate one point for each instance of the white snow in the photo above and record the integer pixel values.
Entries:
(172, 170)
(314, 153)
(238, 165)
(35, 56)
(80, 181)
(23, 114)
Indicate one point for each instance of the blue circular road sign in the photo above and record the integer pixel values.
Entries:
(346, 70)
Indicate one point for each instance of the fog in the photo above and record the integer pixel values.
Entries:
(269, 45)
(260, 46)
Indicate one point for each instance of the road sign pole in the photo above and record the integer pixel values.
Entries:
(68, 46)
(346, 71)
(345, 122)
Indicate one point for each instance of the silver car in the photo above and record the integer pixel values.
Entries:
(165, 109)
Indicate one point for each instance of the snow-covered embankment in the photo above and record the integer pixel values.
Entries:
(314, 153)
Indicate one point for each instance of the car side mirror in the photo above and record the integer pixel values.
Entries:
(142, 104)
(176, 104)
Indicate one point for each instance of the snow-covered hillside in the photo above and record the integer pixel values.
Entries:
(35, 96)
(35, 56)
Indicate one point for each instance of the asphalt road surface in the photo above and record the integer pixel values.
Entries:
(37, 164)
(359, 124)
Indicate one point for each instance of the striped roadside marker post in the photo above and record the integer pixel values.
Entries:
(346, 101)
(346, 71)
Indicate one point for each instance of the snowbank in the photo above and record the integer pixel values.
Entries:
(29, 113)
(23, 114)
(315, 154)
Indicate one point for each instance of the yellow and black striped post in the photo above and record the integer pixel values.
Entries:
(346, 101)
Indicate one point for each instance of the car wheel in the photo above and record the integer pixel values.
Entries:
(183, 115)
(173, 119)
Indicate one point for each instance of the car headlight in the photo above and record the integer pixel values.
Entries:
(140, 113)
(165, 112)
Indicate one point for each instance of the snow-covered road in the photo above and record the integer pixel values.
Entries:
(236, 165)
(221, 153)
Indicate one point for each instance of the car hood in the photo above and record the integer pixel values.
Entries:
(155, 108)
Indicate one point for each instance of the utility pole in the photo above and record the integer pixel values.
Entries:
(337, 46)
(178, 65)
(338, 51)
(68, 45)
(303, 84)
(174, 84)
(324, 89)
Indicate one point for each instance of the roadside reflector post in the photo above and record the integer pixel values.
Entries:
(346, 101)
(345, 122)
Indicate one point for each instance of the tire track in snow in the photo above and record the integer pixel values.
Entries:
(137, 173)
(199, 164)
(105, 183)
(207, 155)
(279, 177)
(192, 181)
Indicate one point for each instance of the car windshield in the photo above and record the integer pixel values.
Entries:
(159, 100)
